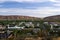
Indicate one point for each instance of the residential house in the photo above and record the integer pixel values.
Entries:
(15, 27)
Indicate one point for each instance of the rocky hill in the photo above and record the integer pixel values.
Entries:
(52, 18)
(15, 17)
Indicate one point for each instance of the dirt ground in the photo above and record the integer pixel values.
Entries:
(58, 38)
(31, 38)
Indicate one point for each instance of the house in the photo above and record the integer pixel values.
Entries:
(5, 34)
(36, 30)
(54, 24)
(29, 24)
(55, 28)
(15, 27)
(45, 22)
(2, 27)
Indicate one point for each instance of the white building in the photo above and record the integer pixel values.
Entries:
(15, 27)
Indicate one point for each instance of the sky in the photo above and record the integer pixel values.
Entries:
(34, 8)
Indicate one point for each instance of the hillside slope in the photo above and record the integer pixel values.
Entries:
(16, 17)
(52, 18)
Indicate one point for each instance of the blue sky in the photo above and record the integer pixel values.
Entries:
(35, 8)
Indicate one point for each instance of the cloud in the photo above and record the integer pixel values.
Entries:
(56, 3)
(30, 0)
(42, 10)
(25, 5)
(25, 0)
(1, 5)
(55, 0)
(39, 12)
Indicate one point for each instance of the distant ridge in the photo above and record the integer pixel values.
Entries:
(52, 18)
(17, 17)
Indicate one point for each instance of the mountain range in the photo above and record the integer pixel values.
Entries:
(16, 17)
